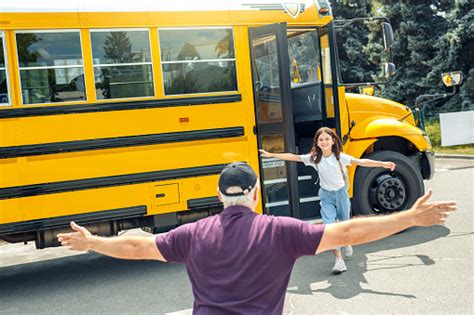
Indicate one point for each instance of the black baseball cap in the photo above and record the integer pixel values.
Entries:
(238, 174)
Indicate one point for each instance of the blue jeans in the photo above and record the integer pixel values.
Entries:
(335, 205)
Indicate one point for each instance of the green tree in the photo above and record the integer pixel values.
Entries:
(25, 56)
(455, 51)
(118, 48)
(417, 25)
(352, 41)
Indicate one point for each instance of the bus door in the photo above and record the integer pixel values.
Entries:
(288, 98)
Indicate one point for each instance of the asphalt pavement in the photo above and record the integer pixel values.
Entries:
(419, 271)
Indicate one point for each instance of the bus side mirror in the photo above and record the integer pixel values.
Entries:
(367, 90)
(389, 69)
(387, 36)
(452, 78)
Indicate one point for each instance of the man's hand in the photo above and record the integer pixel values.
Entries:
(430, 213)
(124, 247)
(79, 240)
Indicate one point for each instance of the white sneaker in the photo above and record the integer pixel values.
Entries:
(339, 267)
(347, 251)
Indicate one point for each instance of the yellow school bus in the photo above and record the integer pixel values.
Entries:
(120, 114)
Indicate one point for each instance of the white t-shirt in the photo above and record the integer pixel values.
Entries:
(329, 171)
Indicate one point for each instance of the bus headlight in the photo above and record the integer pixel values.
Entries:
(427, 139)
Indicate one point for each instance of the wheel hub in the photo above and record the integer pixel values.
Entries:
(388, 193)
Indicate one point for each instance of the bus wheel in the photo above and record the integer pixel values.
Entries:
(380, 191)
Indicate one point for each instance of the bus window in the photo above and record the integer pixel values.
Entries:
(122, 63)
(303, 49)
(306, 88)
(197, 60)
(51, 67)
(268, 80)
(4, 93)
(326, 59)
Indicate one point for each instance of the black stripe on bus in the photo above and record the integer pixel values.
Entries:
(109, 181)
(206, 202)
(119, 142)
(116, 106)
(63, 221)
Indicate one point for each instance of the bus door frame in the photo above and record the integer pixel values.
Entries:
(279, 30)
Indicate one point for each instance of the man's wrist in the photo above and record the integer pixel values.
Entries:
(410, 216)
(93, 242)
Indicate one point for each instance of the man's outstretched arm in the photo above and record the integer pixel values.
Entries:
(364, 230)
(125, 247)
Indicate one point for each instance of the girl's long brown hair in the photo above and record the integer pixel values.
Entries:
(316, 153)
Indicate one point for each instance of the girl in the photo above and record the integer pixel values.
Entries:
(326, 157)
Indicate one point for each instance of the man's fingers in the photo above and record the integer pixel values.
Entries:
(445, 203)
(449, 208)
(62, 237)
(445, 207)
(78, 228)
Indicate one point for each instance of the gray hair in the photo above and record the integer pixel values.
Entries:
(244, 200)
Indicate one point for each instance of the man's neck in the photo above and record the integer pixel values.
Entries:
(242, 206)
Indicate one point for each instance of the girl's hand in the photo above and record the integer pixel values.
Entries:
(389, 165)
(264, 153)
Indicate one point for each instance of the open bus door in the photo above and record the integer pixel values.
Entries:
(288, 105)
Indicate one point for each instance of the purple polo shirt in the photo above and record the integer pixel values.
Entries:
(240, 262)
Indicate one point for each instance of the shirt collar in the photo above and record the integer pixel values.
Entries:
(238, 209)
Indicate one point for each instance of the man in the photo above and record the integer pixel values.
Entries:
(240, 262)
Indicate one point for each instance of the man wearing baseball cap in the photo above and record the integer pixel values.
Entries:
(240, 262)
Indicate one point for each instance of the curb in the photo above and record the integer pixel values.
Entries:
(454, 156)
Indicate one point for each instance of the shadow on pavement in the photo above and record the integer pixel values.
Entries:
(82, 283)
(79, 284)
(348, 284)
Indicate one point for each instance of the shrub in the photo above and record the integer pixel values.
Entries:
(433, 130)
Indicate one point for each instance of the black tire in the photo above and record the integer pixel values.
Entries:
(380, 191)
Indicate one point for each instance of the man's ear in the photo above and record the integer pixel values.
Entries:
(219, 195)
(255, 194)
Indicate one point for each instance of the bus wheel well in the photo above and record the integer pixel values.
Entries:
(405, 147)
(396, 144)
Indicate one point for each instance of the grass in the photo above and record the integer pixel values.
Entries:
(434, 132)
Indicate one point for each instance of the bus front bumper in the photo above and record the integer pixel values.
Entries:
(427, 164)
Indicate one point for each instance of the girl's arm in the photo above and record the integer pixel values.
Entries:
(281, 156)
(373, 163)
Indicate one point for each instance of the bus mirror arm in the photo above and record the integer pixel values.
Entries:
(450, 79)
(426, 99)
(348, 134)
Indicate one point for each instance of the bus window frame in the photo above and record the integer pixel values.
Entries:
(7, 76)
(320, 32)
(19, 68)
(203, 60)
(151, 62)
